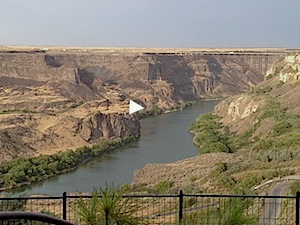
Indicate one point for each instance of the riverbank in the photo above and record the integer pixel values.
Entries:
(155, 110)
(18, 172)
(25, 171)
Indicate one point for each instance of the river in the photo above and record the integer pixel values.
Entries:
(164, 138)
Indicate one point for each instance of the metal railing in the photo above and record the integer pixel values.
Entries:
(176, 209)
(19, 217)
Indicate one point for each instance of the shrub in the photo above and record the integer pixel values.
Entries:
(295, 187)
(229, 212)
(27, 170)
(280, 84)
(260, 90)
(107, 206)
(269, 76)
(210, 135)
(281, 127)
(163, 187)
(272, 108)
(155, 110)
(233, 213)
(221, 167)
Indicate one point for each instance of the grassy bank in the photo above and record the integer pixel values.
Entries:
(210, 135)
(262, 157)
(24, 171)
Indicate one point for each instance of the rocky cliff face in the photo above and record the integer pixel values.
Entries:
(200, 76)
(24, 134)
(281, 83)
(98, 125)
(59, 79)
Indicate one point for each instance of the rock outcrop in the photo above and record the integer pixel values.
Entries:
(98, 125)
(281, 82)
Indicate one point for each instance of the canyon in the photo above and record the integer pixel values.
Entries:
(52, 99)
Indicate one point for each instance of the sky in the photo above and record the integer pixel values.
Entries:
(151, 23)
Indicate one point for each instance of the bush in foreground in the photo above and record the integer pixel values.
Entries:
(107, 206)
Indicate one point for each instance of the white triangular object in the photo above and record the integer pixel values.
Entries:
(134, 107)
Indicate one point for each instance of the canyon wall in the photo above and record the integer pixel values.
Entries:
(161, 79)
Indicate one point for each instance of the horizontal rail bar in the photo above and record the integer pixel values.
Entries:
(151, 196)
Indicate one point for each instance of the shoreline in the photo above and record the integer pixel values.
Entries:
(109, 148)
(62, 172)
(111, 145)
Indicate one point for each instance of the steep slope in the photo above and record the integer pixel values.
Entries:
(263, 126)
(270, 100)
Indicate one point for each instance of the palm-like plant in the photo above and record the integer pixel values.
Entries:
(86, 209)
(234, 215)
(107, 206)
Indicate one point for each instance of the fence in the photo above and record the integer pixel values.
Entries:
(176, 209)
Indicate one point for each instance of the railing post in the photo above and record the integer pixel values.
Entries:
(64, 206)
(180, 212)
(297, 207)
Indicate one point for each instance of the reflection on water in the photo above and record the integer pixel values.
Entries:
(164, 138)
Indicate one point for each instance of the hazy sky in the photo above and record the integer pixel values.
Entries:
(151, 23)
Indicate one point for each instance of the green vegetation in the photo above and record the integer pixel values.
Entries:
(228, 212)
(235, 213)
(280, 84)
(277, 69)
(260, 90)
(272, 108)
(155, 110)
(252, 179)
(267, 155)
(12, 204)
(269, 76)
(284, 136)
(27, 170)
(183, 105)
(294, 187)
(280, 146)
(163, 187)
(76, 104)
(107, 206)
(210, 134)
(9, 111)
